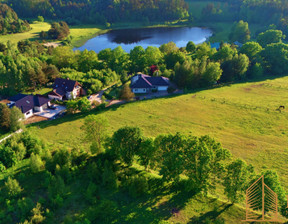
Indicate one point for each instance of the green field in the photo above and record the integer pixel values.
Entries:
(33, 34)
(243, 117)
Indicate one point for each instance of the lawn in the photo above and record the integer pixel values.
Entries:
(33, 34)
(81, 34)
(43, 91)
(243, 117)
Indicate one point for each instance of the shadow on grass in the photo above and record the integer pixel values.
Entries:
(211, 215)
(163, 203)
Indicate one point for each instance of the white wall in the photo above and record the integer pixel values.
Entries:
(38, 109)
(28, 114)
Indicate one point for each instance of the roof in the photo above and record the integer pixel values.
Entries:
(29, 102)
(66, 84)
(17, 97)
(58, 92)
(146, 81)
(158, 81)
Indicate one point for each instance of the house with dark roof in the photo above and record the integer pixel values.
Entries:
(145, 84)
(29, 104)
(65, 89)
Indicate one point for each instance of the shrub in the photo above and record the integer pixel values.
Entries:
(137, 185)
(40, 19)
(12, 187)
(62, 157)
(19, 150)
(36, 163)
(171, 89)
(37, 216)
(126, 93)
(105, 212)
(109, 179)
(25, 205)
(56, 187)
(7, 156)
(91, 192)
(95, 149)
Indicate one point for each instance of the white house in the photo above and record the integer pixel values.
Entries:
(145, 84)
(29, 104)
(65, 89)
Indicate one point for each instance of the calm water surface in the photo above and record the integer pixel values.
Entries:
(129, 38)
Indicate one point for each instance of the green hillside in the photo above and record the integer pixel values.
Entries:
(243, 117)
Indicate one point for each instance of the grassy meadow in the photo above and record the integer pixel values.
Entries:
(33, 34)
(243, 117)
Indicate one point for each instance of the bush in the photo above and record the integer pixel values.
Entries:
(36, 163)
(40, 19)
(7, 156)
(62, 157)
(171, 89)
(105, 212)
(12, 187)
(91, 192)
(37, 216)
(137, 186)
(25, 205)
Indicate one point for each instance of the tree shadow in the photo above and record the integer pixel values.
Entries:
(211, 215)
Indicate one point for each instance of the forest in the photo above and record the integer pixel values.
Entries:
(102, 11)
(9, 21)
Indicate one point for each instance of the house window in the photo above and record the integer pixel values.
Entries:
(144, 90)
(28, 113)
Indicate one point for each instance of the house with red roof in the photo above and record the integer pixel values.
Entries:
(146, 84)
(65, 89)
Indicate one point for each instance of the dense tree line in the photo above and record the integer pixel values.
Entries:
(9, 21)
(31, 65)
(125, 165)
(264, 12)
(102, 11)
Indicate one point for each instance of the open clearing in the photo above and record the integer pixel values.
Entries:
(33, 34)
(243, 117)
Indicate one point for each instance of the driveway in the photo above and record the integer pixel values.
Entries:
(48, 113)
(97, 97)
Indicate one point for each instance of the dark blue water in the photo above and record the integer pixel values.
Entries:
(129, 38)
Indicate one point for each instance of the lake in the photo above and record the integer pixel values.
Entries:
(129, 38)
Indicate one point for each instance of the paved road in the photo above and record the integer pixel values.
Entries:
(9, 136)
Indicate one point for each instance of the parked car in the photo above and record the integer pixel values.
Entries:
(53, 107)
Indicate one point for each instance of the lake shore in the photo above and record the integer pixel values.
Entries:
(129, 38)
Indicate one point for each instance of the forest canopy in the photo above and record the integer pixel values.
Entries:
(9, 21)
(102, 11)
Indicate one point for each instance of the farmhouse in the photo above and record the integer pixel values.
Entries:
(29, 104)
(145, 84)
(65, 89)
